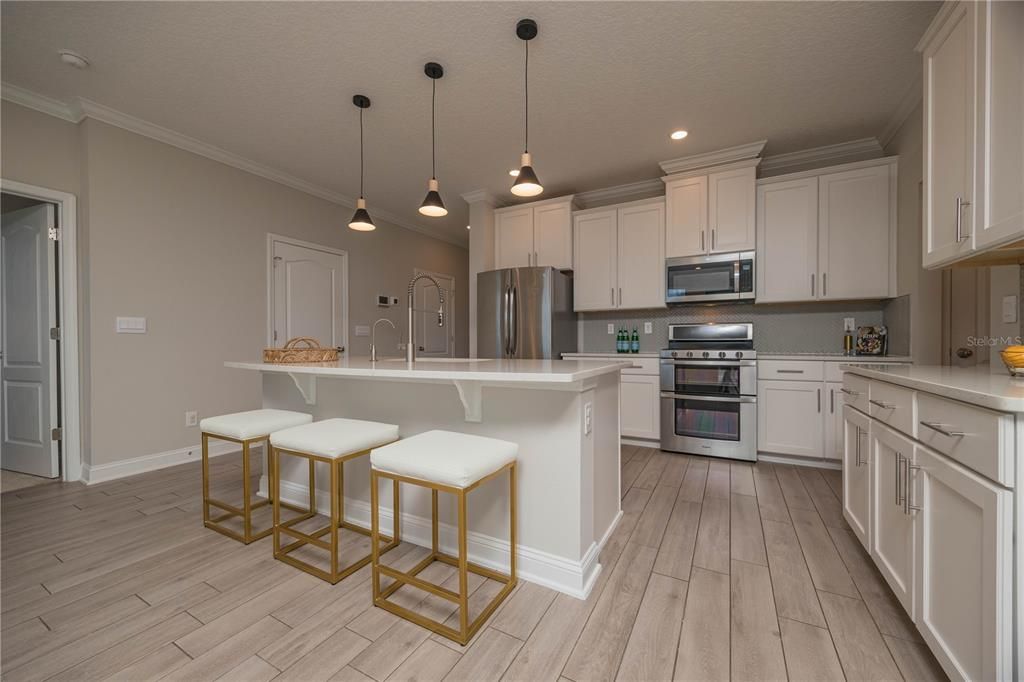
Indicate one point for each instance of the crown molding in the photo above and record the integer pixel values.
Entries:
(827, 155)
(644, 189)
(478, 196)
(906, 107)
(937, 24)
(715, 158)
(83, 108)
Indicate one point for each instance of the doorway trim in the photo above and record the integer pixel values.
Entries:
(271, 238)
(67, 291)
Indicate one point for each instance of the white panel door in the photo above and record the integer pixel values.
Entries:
(29, 404)
(787, 241)
(640, 407)
(857, 473)
(641, 266)
(854, 230)
(731, 198)
(789, 417)
(964, 552)
(432, 339)
(595, 247)
(513, 238)
(552, 235)
(892, 528)
(686, 216)
(948, 138)
(310, 294)
(1000, 133)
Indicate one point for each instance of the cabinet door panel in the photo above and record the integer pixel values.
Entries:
(552, 235)
(892, 531)
(787, 241)
(640, 408)
(833, 408)
(854, 233)
(594, 255)
(513, 238)
(964, 563)
(789, 417)
(641, 266)
(731, 198)
(948, 137)
(857, 473)
(686, 210)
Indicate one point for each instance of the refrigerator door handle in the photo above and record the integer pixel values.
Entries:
(513, 328)
(507, 322)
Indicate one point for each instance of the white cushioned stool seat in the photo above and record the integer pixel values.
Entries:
(454, 459)
(252, 424)
(335, 437)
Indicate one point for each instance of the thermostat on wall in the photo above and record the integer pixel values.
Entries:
(385, 301)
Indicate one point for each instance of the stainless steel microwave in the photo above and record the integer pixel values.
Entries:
(719, 277)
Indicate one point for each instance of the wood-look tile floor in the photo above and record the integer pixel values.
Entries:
(718, 570)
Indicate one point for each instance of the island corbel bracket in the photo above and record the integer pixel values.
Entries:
(306, 383)
(472, 396)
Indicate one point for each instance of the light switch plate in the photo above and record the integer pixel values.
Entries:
(849, 324)
(611, 328)
(648, 328)
(1009, 308)
(362, 330)
(130, 325)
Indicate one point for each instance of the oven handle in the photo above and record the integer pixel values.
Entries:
(711, 363)
(709, 398)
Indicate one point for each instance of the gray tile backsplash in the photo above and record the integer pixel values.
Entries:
(778, 328)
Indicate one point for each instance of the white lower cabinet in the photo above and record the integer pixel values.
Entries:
(833, 409)
(892, 533)
(789, 417)
(964, 539)
(639, 408)
(857, 473)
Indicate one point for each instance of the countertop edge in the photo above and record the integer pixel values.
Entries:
(965, 395)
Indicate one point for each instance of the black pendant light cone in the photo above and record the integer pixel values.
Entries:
(526, 184)
(432, 205)
(361, 220)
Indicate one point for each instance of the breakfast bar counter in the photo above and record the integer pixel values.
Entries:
(563, 414)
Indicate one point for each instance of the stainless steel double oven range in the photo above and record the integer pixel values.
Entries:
(709, 391)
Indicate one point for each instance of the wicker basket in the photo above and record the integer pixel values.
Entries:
(300, 349)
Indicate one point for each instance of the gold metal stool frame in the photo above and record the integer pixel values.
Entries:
(336, 465)
(214, 523)
(461, 562)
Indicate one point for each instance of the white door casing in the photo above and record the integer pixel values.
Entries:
(434, 341)
(309, 292)
(29, 374)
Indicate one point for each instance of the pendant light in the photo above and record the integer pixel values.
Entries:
(361, 220)
(432, 205)
(526, 184)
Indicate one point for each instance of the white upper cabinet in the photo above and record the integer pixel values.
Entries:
(619, 253)
(534, 234)
(856, 239)
(973, 130)
(686, 217)
(787, 240)
(828, 234)
(731, 198)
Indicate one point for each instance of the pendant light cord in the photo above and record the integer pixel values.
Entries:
(360, 153)
(526, 87)
(433, 128)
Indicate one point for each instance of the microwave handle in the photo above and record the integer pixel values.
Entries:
(736, 277)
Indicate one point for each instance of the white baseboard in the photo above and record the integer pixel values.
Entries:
(575, 578)
(110, 471)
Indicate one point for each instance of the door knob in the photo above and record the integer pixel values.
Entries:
(964, 353)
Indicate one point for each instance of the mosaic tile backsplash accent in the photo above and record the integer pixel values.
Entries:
(778, 327)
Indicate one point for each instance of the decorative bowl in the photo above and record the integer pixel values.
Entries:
(1013, 358)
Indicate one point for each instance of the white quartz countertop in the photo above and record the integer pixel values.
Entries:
(610, 354)
(452, 369)
(834, 357)
(984, 386)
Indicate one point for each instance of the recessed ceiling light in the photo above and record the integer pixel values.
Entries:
(678, 134)
(467, 227)
(73, 59)
(514, 172)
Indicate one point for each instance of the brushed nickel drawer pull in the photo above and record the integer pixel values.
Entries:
(849, 392)
(936, 426)
(884, 406)
(909, 506)
(790, 371)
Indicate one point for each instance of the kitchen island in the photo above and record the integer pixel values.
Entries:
(564, 414)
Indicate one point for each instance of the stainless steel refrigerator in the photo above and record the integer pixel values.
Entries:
(524, 313)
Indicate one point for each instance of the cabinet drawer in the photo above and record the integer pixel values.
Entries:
(979, 439)
(791, 370)
(892, 405)
(642, 366)
(855, 392)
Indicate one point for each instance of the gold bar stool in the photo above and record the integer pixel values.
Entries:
(333, 442)
(244, 428)
(455, 463)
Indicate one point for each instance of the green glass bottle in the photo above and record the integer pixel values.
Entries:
(634, 342)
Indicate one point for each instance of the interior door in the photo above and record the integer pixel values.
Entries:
(433, 340)
(787, 241)
(595, 258)
(731, 197)
(641, 264)
(310, 294)
(29, 370)
(892, 528)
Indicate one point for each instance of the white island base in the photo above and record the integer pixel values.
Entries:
(568, 471)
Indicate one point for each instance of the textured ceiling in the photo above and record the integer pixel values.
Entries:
(273, 82)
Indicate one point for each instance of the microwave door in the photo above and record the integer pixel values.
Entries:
(702, 282)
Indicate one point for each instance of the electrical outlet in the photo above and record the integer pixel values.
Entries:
(191, 418)
(648, 328)
(611, 328)
(849, 324)
(588, 418)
